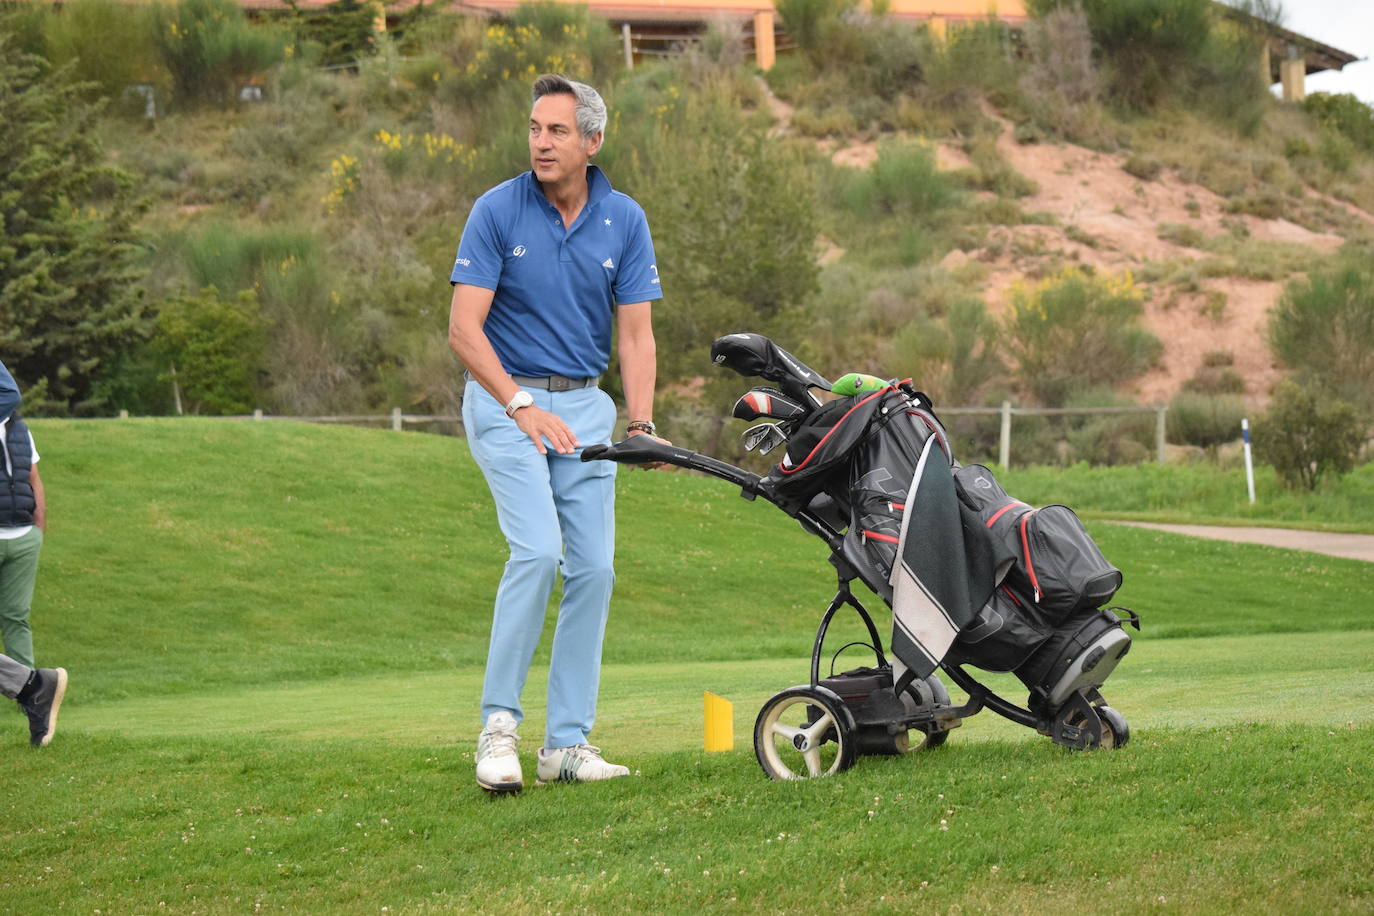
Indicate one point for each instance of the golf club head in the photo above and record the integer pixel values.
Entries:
(753, 355)
(763, 438)
(767, 402)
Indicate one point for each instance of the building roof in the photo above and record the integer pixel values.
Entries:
(1285, 44)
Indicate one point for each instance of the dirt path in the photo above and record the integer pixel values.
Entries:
(1350, 546)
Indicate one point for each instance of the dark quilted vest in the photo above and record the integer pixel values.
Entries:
(16, 490)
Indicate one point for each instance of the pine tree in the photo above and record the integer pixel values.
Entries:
(70, 304)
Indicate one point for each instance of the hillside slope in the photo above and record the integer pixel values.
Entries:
(1210, 270)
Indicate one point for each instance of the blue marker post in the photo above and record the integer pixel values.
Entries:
(1249, 463)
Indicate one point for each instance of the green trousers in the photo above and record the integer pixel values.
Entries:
(18, 569)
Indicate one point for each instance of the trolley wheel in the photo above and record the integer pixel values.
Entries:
(934, 737)
(1115, 731)
(804, 732)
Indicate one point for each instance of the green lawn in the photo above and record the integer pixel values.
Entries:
(276, 634)
(1201, 494)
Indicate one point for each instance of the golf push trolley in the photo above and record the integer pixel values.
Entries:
(877, 431)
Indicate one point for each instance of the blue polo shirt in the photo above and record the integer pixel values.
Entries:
(556, 289)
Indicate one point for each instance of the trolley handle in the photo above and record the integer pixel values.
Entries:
(650, 450)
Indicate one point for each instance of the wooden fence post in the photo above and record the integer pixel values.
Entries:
(1004, 448)
(1161, 424)
(396, 419)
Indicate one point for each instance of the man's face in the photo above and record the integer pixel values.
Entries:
(557, 150)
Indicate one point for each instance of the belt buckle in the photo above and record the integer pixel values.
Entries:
(560, 383)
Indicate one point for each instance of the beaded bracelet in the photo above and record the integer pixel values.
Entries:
(641, 426)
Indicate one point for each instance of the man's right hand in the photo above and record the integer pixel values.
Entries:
(539, 425)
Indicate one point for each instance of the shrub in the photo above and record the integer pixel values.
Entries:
(1157, 51)
(954, 356)
(807, 20)
(342, 31)
(1337, 152)
(1322, 329)
(209, 48)
(733, 219)
(992, 172)
(544, 37)
(107, 43)
(1308, 435)
(1205, 420)
(1061, 83)
(1075, 331)
(307, 356)
(904, 181)
(212, 349)
(1215, 376)
(978, 55)
(1149, 47)
(1225, 82)
(1110, 440)
(1344, 113)
(1143, 166)
(1178, 234)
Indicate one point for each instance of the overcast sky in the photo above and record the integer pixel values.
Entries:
(1344, 24)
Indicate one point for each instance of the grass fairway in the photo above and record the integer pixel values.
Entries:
(276, 633)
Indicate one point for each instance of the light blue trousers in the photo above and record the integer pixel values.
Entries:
(558, 515)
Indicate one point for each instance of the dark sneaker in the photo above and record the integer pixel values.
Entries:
(43, 705)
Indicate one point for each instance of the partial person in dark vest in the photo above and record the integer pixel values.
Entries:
(23, 521)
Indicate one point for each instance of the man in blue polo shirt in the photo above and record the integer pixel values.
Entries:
(548, 263)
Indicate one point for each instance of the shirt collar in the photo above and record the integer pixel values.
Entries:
(598, 186)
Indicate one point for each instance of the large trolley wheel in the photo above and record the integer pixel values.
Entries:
(804, 732)
(934, 736)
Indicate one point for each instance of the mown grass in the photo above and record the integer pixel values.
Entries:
(276, 633)
(1202, 494)
(278, 552)
(1241, 818)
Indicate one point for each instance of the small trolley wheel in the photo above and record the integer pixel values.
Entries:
(1115, 731)
(936, 737)
(804, 732)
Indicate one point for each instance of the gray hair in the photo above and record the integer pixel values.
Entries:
(590, 111)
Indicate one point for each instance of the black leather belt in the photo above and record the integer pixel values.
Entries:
(550, 382)
(555, 382)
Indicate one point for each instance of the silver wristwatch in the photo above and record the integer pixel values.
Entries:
(522, 399)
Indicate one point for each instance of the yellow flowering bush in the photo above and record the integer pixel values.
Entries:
(422, 155)
(1077, 330)
(344, 180)
(542, 38)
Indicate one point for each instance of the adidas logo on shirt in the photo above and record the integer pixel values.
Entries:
(607, 264)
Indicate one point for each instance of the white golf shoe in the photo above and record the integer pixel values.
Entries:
(580, 763)
(498, 767)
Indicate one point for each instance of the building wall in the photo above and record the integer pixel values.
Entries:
(649, 10)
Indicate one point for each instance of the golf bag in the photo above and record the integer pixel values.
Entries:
(1035, 578)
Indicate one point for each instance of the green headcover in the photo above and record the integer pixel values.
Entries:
(857, 383)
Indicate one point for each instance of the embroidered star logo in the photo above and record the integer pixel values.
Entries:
(608, 221)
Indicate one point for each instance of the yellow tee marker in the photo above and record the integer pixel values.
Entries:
(720, 723)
